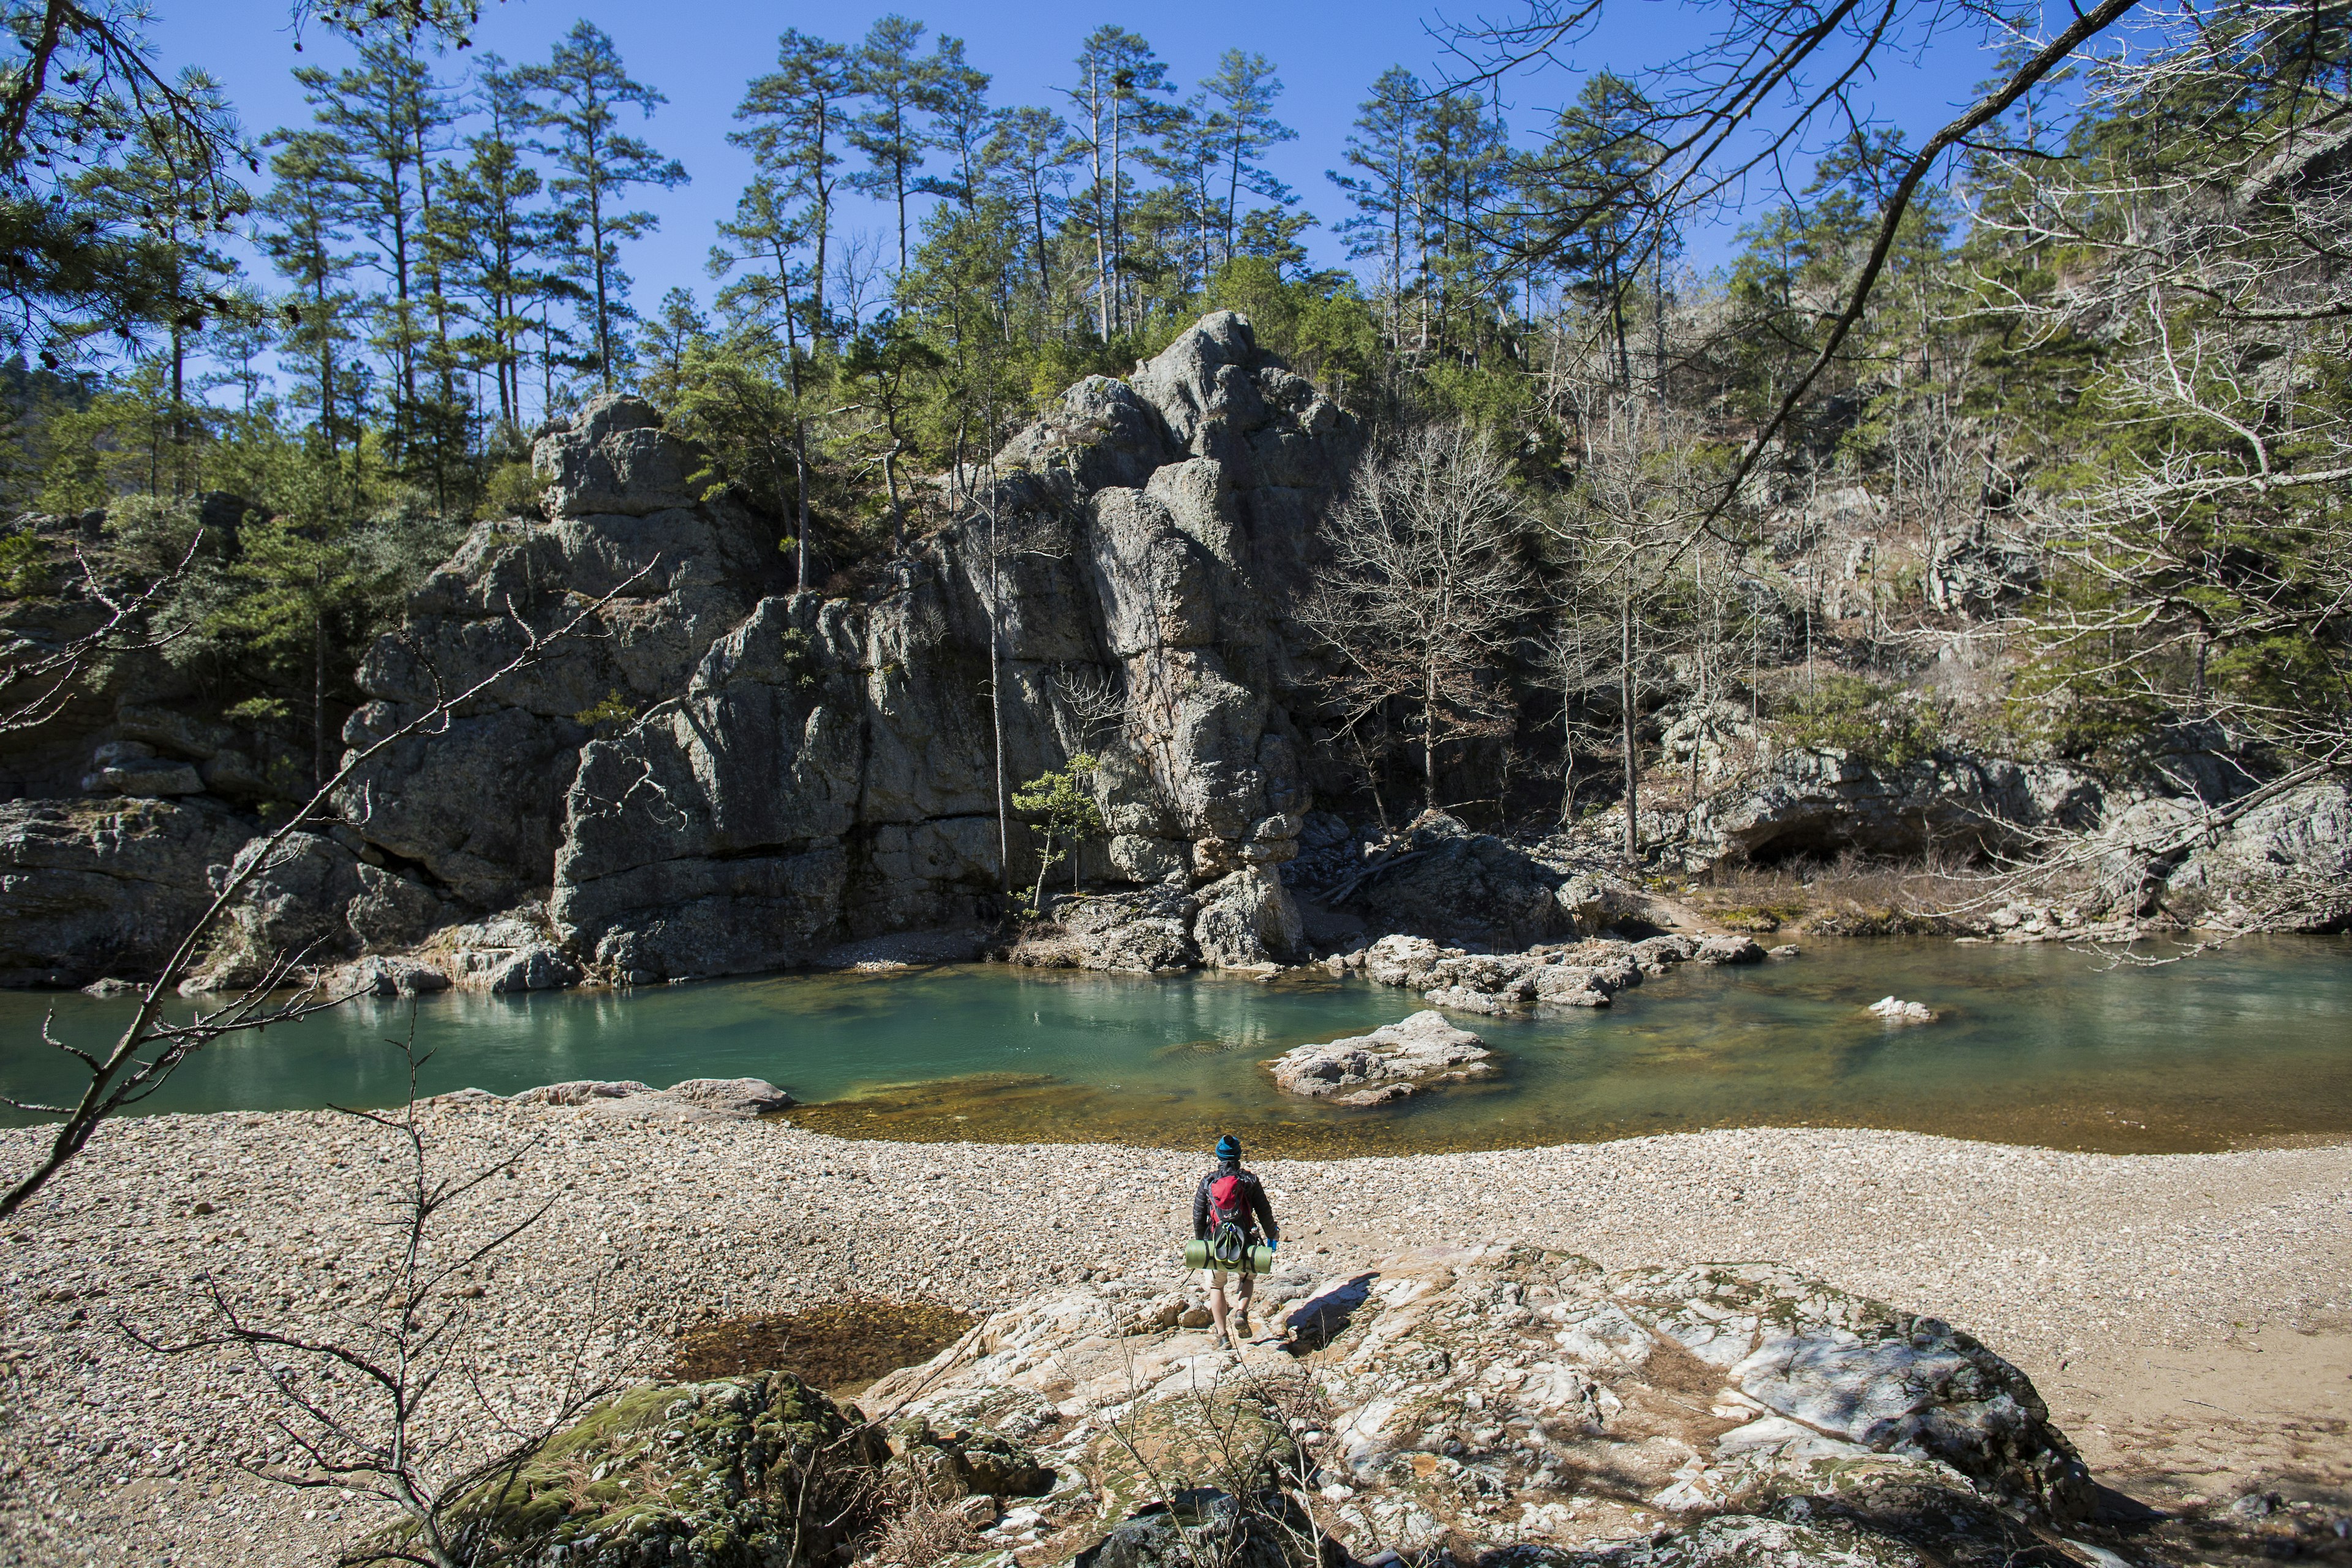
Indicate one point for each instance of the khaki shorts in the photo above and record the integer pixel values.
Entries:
(1216, 1278)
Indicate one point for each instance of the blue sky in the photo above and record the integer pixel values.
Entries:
(700, 52)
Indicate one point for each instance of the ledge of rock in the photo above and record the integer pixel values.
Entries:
(693, 1100)
(1575, 974)
(1515, 1405)
(1393, 1062)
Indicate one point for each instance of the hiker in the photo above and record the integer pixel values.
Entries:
(1228, 1212)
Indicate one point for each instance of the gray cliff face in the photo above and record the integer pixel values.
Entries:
(806, 772)
(91, 889)
(481, 806)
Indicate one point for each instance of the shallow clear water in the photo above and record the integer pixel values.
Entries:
(2036, 1045)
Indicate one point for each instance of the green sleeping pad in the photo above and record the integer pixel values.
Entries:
(1258, 1260)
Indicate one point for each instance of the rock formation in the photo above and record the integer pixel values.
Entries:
(1395, 1061)
(1503, 1405)
(1507, 1404)
(727, 776)
(827, 771)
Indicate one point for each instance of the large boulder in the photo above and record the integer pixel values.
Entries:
(1395, 1061)
(1247, 919)
(293, 909)
(1462, 887)
(1145, 932)
(89, 889)
(749, 1472)
(1522, 1406)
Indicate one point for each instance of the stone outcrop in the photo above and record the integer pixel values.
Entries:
(827, 773)
(1444, 881)
(91, 890)
(1395, 1061)
(2290, 855)
(721, 775)
(1816, 801)
(1512, 1405)
(1588, 973)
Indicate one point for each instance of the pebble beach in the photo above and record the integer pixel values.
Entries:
(2188, 1317)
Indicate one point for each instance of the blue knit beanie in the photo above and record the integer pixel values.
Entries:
(1229, 1147)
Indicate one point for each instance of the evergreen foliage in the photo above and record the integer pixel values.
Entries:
(2093, 414)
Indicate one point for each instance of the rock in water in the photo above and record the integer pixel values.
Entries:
(1899, 1012)
(1393, 1062)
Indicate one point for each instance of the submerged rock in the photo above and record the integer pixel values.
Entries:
(1393, 1062)
(1895, 1011)
(626, 1100)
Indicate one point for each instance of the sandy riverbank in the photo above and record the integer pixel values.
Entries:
(2189, 1317)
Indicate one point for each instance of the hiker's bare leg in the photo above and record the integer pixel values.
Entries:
(1243, 1289)
(1217, 1310)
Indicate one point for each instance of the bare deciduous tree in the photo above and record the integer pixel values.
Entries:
(382, 1396)
(1625, 534)
(1421, 588)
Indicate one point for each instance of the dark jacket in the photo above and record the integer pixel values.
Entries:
(1257, 1214)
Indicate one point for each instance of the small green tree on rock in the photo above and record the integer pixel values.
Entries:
(1061, 803)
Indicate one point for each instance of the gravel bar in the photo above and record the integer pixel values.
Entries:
(2111, 1280)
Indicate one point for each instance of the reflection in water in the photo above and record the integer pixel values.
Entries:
(2035, 1045)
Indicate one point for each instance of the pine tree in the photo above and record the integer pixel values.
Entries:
(961, 125)
(140, 192)
(795, 122)
(887, 73)
(582, 91)
(487, 238)
(386, 116)
(1118, 76)
(308, 223)
(1386, 146)
(1031, 153)
(1592, 206)
(1241, 128)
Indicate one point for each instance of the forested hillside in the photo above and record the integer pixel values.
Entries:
(2031, 444)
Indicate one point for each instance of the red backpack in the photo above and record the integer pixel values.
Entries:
(1229, 1216)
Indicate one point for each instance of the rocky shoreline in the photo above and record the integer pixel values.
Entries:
(729, 776)
(2127, 1265)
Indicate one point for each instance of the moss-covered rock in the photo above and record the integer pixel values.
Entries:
(951, 1459)
(743, 1472)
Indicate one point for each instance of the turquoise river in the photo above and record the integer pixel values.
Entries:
(2041, 1045)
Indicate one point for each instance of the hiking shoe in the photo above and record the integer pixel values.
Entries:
(1242, 1326)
